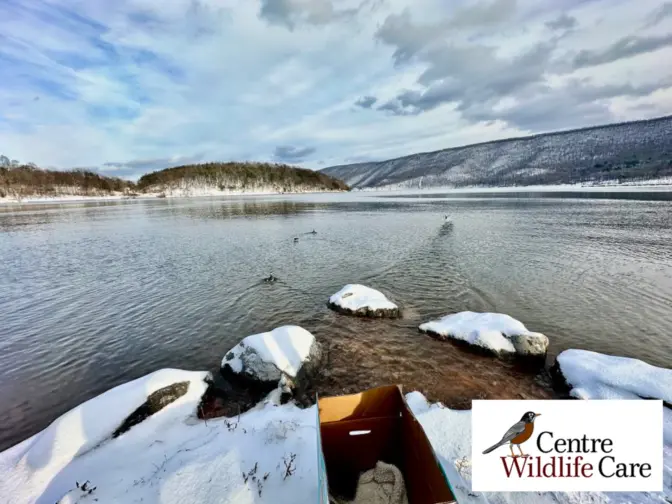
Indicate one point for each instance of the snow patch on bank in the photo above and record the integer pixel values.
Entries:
(592, 375)
(169, 458)
(597, 376)
(153, 193)
(62, 198)
(44, 463)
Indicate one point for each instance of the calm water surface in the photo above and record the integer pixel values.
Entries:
(93, 295)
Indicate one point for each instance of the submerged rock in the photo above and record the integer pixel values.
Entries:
(283, 357)
(362, 301)
(493, 332)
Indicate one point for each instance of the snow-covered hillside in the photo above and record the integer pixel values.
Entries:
(625, 152)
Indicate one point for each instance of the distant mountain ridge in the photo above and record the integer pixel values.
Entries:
(622, 152)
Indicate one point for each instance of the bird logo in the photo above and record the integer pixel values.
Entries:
(518, 433)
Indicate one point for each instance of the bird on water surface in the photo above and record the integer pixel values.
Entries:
(517, 434)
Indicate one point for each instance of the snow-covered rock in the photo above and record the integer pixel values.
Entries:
(355, 299)
(449, 432)
(169, 458)
(591, 375)
(95, 425)
(494, 332)
(287, 353)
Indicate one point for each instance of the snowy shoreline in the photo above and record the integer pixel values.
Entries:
(268, 454)
(179, 458)
(655, 185)
(663, 185)
(70, 198)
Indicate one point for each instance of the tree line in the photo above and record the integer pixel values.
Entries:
(18, 180)
(232, 176)
(25, 179)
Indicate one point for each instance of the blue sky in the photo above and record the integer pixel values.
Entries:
(130, 86)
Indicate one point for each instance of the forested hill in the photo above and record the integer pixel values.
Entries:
(22, 181)
(633, 152)
(238, 177)
(25, 181)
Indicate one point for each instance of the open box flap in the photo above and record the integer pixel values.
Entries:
(378, 402)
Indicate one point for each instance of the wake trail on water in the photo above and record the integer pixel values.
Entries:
(432, 247)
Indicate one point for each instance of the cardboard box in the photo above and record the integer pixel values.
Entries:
(358, 430)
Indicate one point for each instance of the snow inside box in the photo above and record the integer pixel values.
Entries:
(359, 431)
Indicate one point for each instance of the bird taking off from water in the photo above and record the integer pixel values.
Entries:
(517, 434)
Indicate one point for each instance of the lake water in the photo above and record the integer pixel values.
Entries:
(96, 294)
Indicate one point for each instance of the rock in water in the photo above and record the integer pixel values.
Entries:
(592, 375)
(362, 301)
(283, 357)
(494, 332)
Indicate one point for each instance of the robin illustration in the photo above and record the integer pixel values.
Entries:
(517, 434)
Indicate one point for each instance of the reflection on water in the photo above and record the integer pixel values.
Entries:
(92, 295)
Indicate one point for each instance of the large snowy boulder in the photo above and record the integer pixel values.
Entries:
(283, 356)
(51, 461)
(266, 455)
(591, 375)
(494, 332)
(362, 301)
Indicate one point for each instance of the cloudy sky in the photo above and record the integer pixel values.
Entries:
(128, 86)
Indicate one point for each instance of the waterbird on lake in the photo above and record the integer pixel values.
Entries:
(518, 433)
(270, 279)
(313, 232)
(296, 239)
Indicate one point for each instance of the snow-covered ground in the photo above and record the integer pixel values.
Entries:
(496, 332)
(361, 300)
(267, 455)
(171, 457)
(63, 198)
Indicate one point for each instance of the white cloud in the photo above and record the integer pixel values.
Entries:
(135, 85)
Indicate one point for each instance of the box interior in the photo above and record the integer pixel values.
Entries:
(360, 429)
